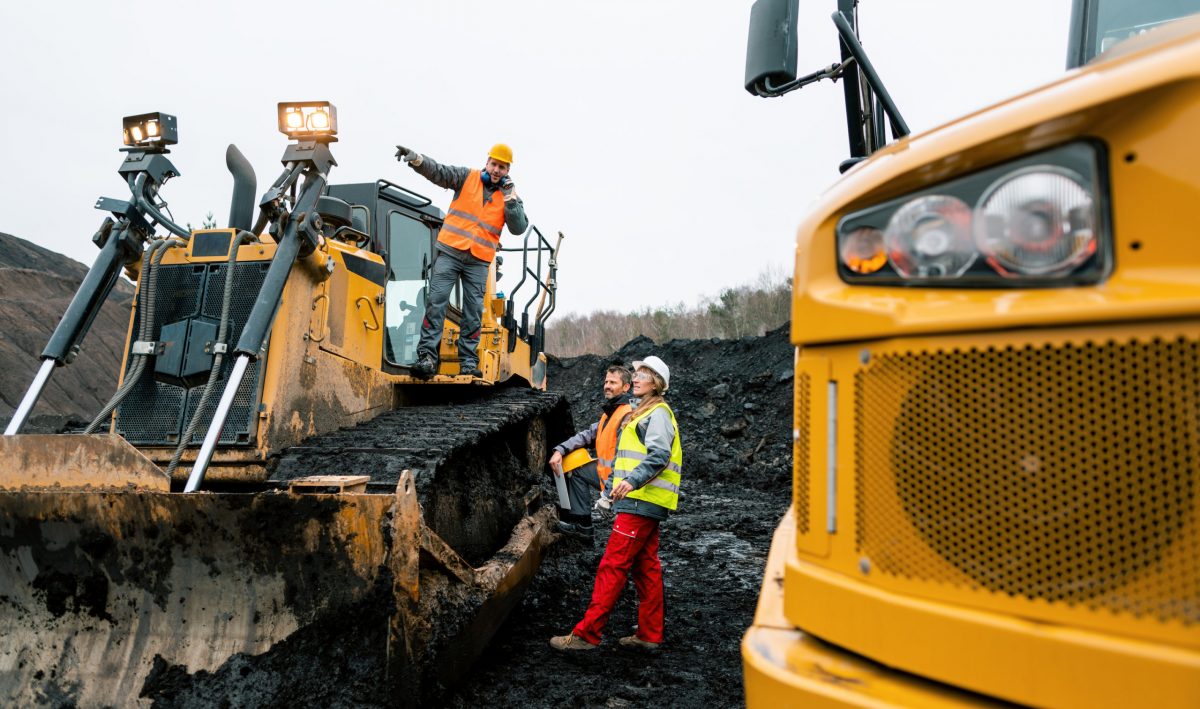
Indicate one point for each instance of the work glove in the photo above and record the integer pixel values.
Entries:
(508, 188)
(604, 507)
(408, 155)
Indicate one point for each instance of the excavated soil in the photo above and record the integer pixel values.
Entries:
(733, 403)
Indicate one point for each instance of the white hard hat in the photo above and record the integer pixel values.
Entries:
(656, 365)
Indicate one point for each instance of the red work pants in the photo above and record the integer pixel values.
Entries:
(633, 545)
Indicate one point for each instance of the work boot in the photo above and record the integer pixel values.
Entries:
(471, 370)
(424, 367)
(633, 642)
(578, 530)
(570, 641)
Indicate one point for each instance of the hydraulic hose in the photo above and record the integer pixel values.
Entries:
(146, 205)
(146, 296)
(218, 357)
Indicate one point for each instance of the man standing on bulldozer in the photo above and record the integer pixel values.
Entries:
(603, 437)
(485, 201)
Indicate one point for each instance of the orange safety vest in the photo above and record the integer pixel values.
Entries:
(606, 441)
(472, 224)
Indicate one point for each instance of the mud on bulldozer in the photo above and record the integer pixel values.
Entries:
(269, 478)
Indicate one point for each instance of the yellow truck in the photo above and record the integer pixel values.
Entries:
(996, 489)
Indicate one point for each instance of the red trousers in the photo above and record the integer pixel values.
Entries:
(633, 545)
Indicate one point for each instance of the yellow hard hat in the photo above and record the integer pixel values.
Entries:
(575, 459)
(501, 152)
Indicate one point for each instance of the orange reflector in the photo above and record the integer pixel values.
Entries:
(862, 250)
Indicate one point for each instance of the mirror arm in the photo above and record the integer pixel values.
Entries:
(833, 71)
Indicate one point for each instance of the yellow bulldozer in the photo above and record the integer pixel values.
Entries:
(268, 474)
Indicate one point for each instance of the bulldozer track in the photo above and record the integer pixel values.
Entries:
(425, 438)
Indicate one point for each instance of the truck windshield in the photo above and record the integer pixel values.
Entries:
(1117, 20)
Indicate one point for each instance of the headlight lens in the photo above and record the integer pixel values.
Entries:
(1037, 222)
(1041, 220)
(863, 252)
(930, 237)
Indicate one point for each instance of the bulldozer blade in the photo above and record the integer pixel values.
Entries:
(111, 597)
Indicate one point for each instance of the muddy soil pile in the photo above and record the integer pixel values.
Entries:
(733, 403)
(36, 285)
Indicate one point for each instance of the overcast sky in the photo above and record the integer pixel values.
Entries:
(631, 131)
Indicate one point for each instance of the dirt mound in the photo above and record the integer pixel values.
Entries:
(733, 403)
(36, 285)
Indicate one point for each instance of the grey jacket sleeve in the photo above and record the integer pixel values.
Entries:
(583, 439)
(447, 176)
(658, 436)
(514, 216)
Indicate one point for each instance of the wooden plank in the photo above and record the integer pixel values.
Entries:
(343, 483)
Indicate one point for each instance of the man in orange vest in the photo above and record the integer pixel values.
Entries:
(603, 436)
(485, 201)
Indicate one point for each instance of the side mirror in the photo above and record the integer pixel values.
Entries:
(771, 48)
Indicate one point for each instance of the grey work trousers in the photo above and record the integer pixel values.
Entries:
(581, 482)
(448, 269)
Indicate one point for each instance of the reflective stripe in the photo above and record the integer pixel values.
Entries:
(482, 242)
(472, 218)
(606, 462)
(659, 482)
(635, 456)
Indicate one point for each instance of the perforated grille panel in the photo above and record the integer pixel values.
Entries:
(1064, 473)
(156, 412)
(800, 458)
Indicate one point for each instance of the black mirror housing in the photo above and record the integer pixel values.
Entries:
(771, 47)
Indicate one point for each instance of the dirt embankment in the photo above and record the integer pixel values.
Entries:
(733, 403)
(36, 286)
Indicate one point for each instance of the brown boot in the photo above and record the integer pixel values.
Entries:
(633, 642)
(570, 641)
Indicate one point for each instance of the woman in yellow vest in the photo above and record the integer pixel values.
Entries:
(645, 489)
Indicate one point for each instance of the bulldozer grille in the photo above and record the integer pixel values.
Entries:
(1058, 472)
(157, 412)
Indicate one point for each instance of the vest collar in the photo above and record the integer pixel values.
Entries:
(611, 405)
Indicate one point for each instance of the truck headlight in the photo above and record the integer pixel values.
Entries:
(930, 237)
(1036, 222)
(1041, 220)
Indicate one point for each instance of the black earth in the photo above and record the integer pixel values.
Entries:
(732, 400)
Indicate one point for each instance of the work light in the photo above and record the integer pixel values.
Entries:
(311, 120)
(149, 130)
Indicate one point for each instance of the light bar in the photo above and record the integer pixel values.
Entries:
(312, 120)
(149, 130)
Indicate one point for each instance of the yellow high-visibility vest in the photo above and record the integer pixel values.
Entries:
(664, 488)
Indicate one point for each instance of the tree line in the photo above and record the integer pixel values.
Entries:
(751, 309)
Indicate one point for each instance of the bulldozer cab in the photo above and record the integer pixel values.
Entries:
(402, 226)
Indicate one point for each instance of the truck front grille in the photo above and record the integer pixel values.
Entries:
(1057, 471)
